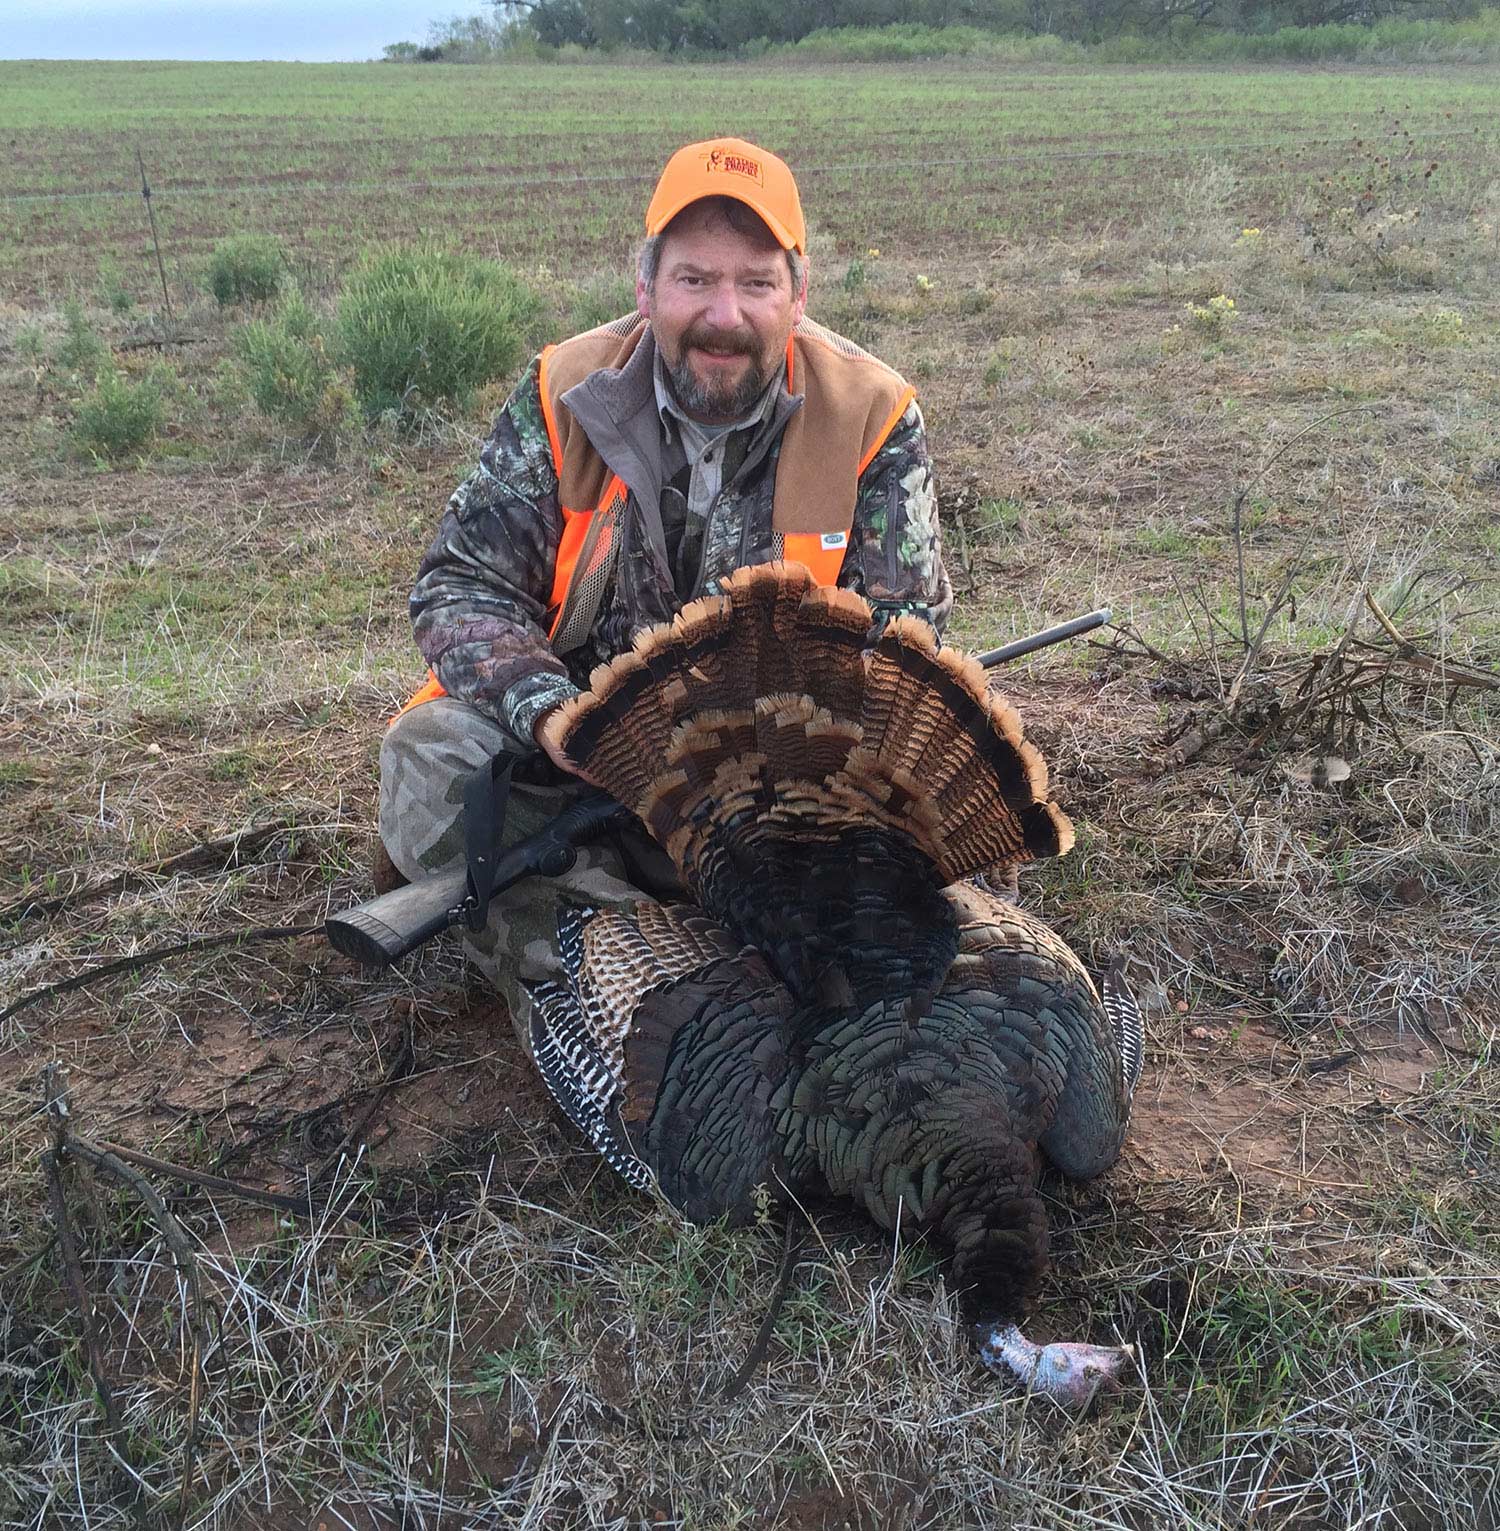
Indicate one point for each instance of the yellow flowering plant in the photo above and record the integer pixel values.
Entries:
(1213, 319)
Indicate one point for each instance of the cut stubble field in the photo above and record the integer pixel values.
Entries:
(1284, 763)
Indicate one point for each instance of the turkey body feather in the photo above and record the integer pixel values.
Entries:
(841, 1012)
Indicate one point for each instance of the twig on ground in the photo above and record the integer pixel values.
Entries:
(1254, 645)
(794, 1240)
(59, 1117)
(399, 1067)
(112, 1164)
(305, 1121)
(1445, 669)
(159, 954)
(301, 1206)
(221, 855)
(24, 1264)
(157, 342)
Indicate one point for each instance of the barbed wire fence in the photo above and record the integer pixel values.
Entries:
(1481, 140)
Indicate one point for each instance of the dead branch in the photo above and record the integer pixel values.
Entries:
(1445, 669)
(399, 1068)
(159, 954)
(221, 855)
(20, 1267)
(1254, 646)
(301, 1206)
(59, 1118)
(159, 342)
(187, 1271)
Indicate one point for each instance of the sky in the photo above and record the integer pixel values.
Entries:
(314, 30)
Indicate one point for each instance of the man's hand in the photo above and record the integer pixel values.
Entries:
(546, 733)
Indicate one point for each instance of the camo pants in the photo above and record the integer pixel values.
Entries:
(426, 757)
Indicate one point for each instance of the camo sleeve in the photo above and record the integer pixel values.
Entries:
(895, 559)
(482, 589)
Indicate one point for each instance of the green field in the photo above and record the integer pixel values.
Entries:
(552, 165)
(201, 639)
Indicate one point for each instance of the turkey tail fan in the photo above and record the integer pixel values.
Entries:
(772, 699)
(832, 632)
(718, 654)
(928, 714)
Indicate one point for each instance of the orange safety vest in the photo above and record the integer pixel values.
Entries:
(852, 404)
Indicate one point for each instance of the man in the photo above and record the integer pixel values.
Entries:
(634, 468)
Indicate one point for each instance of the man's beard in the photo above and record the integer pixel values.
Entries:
(723, 400)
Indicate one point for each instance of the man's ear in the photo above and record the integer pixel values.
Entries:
(642, 298)
(799, 306)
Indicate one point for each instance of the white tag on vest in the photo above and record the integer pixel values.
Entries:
(835, 540)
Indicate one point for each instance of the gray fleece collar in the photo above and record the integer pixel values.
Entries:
(617, 409)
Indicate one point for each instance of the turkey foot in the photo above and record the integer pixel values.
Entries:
(1067, 1372)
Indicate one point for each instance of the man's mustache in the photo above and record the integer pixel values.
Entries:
(736, 342)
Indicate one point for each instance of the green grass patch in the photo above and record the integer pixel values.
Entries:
(288, 372)
(120, 417)
(425, 328)
(303, 173)
(246, 268)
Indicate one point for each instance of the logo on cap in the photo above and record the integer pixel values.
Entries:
(734, 164)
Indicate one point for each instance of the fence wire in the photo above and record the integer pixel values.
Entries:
(161, 189)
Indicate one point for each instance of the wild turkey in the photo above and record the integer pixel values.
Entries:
(840, 1011)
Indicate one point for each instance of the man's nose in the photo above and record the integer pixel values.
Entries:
(724, 307)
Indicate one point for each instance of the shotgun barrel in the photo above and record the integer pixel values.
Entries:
(1042, 640)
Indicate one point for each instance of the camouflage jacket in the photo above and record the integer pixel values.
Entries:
(479, 606)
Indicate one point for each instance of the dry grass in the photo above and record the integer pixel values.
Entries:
(1303, 1233)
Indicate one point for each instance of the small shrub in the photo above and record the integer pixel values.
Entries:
(1201, 197)
(246, 268)
(853, 318)
(424, 328)
(289, 374)
(80, 350)
(118, 416)
(1443, 327)
(1412, 267)
(1213, 319)
(31, 346)
(114, 290)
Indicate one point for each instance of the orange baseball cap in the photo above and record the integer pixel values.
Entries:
(730, 167)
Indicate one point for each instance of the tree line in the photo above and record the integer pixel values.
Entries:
(739, 26)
